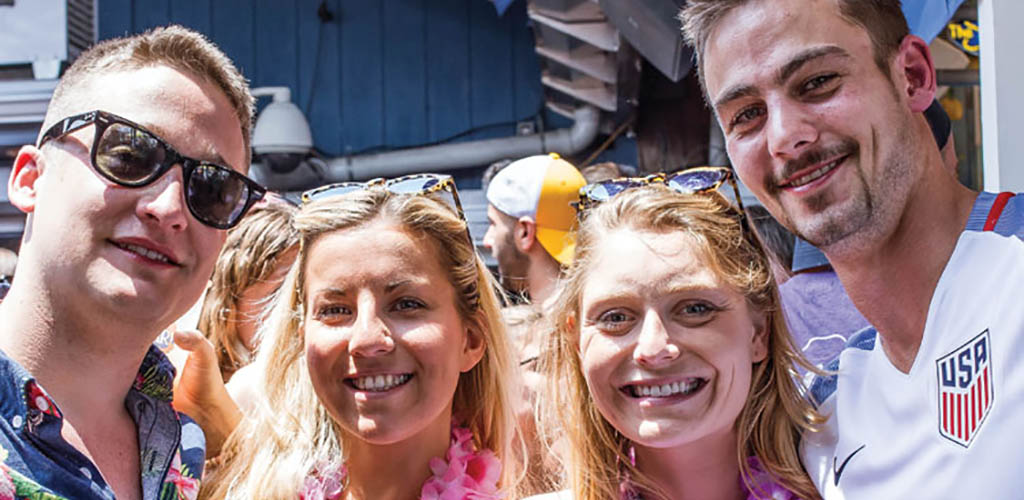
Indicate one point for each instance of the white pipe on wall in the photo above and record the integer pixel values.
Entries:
(566, 141)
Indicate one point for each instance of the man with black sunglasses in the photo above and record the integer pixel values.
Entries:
(822, 106)
(139, 169)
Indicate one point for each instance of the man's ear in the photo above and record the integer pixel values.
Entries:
(21, 185)
(915, 65)
(525, 233)
(473, 347)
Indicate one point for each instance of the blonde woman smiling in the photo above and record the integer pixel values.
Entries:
(385, 366)
(670, 367)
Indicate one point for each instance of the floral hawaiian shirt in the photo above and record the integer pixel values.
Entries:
(36, 463)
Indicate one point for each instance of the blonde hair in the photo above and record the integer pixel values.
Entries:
(250, 255)
(174, 46)
(291, 434)
(775, 413)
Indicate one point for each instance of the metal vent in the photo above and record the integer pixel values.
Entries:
(578, 53)
(81, 27)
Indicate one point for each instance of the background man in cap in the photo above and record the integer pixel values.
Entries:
(531, 222)
(137, 172)
(821, 103)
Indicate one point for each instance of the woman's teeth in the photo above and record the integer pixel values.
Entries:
(380, 383)
(665, 390)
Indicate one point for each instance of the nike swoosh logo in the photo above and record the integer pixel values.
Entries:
(839, 472)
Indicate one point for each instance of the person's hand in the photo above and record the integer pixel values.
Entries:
(199, 390)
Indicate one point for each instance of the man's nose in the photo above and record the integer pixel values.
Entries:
(489, 237)
(163, 202)
(789, 129)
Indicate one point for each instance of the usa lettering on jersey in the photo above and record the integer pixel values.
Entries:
(966, 391)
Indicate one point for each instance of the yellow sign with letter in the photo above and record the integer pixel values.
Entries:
(965, 34)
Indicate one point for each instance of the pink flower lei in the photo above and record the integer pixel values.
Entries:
(464, 474)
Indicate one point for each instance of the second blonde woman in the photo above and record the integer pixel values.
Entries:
(385, 368)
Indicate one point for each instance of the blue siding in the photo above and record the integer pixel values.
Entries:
(388, 73)
(150, 13)
(231, 25)
(325, 108)
(195, 14)
(490, 54)
(276, 35)
(448, 80)
(362, 75)
(524, 64)
(405, 74)
(115, 18)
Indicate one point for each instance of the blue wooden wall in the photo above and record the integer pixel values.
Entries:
(388, 73)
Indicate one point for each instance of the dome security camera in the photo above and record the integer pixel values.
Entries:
(281, 138)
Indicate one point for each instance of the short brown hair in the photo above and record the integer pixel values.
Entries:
(882, 19)
(174, 46)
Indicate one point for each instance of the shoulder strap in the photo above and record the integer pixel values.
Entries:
(996, 210)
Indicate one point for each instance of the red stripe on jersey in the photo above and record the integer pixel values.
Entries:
(964, 421)
(975, 409)
(960, 416)
(970, 420)
(996, 210)
(967, 415)
(945, 413)
(986, 387)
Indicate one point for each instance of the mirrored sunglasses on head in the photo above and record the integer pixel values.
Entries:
(408, 184)
(416, 184)
(128, 155)
(693, 180)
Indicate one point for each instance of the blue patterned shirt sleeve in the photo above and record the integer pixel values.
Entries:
(37, 463)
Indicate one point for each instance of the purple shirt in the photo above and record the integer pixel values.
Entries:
(820, 315)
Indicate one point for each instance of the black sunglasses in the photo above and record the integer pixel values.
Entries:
(127, 154)
(694, 180)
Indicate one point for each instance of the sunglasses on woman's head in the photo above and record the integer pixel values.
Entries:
(694, 180)
(127, 154)
(418, 184)
(408, 184)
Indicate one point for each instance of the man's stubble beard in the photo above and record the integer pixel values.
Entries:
(870, 217)
(513, 267)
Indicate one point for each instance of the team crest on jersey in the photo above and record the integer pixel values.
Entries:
(966, 390)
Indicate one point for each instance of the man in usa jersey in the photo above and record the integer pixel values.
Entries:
(821, 105)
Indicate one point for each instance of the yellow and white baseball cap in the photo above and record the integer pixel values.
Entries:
(541, 187)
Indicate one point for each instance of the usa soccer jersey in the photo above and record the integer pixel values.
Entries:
(951, 427)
